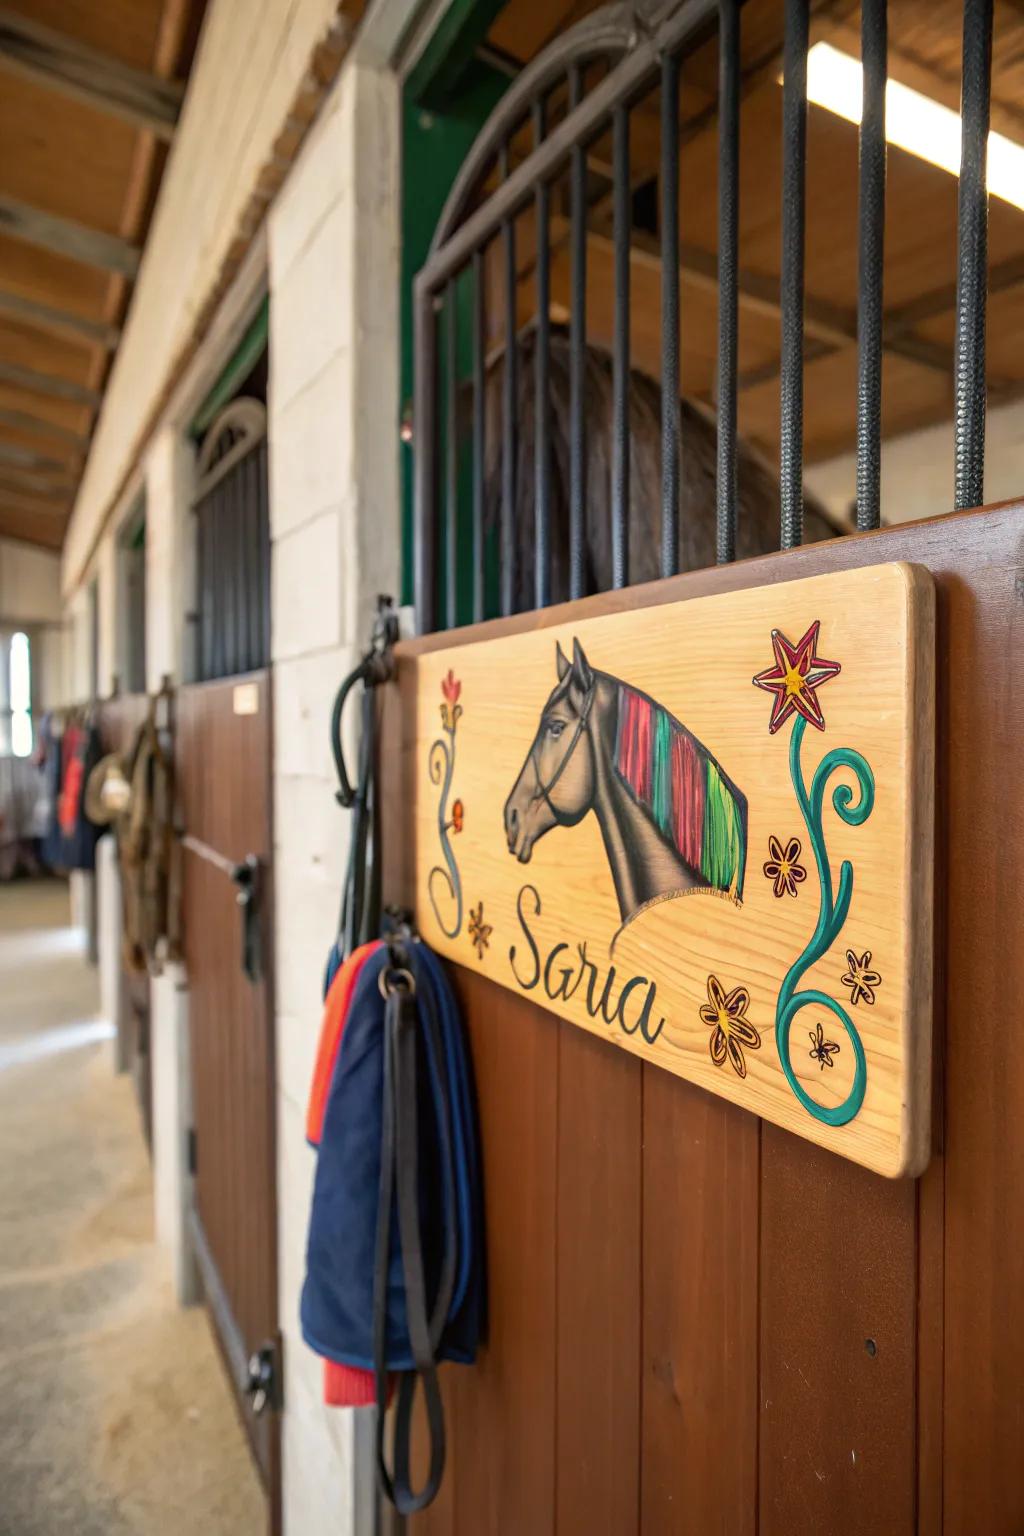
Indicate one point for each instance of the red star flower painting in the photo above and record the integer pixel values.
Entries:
(795, 678)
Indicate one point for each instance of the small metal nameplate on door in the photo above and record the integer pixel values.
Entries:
(245, 699)
(703, 831)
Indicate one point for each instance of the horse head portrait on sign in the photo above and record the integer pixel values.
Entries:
(671, 819)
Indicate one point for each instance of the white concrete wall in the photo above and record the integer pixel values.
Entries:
(252, 60)
(169, 478)
(333, 243)
(917, 469)
(29, 584)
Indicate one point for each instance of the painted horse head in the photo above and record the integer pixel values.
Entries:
(671, 819)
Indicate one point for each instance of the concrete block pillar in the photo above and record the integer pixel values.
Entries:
(172, 1118)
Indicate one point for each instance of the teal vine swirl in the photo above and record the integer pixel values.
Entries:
(442, 764)
(831, 916)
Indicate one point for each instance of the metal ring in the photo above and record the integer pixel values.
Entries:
(396, 979)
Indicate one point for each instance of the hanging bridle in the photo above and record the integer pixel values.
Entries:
(543, 791)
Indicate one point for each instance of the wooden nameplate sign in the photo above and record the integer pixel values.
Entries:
(703, 831)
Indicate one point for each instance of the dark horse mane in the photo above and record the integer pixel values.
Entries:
(757, 530)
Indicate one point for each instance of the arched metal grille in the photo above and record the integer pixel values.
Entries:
(600, 68)
(231, 509)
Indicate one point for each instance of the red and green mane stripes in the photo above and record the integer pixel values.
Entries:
(691, 801)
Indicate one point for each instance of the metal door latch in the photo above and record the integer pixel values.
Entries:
(259, 1386)
(247, 877)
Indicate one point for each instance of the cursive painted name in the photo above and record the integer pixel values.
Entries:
(629, 1004)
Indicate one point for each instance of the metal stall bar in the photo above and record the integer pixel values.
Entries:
(972, 274)
(871, 244)
(456, 244)
(728, 264)
(508, 412)
(791, 285)
(621, 231)
(577, 352)
(451, 455)
(670, 385)
(541, 442)
(479, 431)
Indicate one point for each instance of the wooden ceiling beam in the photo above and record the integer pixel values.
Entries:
(25, 458)
(23, 483)
(67, 238)
(30, 528)
(41, 426)
(58, 322)
(48, 384)
(30, 501)
(64, 64)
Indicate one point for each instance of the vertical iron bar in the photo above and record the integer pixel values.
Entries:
(972, 264)
(479, 434)
(265, 555)
(669, 314)
(451, 456)
(622, 208)
(728, 265)
(577, 352)
(425, 461)
(508, 424)
(541, 443)
(871, 243)
(791, 286)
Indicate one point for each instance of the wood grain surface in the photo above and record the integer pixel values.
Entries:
(767, 1264)
(516, 789)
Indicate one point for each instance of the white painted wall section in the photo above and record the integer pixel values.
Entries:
(334, 250)
(917, 469)
(252, 60)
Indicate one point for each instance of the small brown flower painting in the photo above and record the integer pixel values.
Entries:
(783, 866)
(822, 1050)
(458, 817)
(479, 931)
(732, 1030)
(860, 978)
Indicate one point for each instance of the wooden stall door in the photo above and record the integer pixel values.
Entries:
(224, 747)
(700, 1323)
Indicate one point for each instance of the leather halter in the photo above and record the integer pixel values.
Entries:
(544, 790)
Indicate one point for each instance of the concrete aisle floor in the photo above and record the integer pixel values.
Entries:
(115, 1416)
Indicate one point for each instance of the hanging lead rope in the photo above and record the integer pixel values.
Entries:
(359, 920)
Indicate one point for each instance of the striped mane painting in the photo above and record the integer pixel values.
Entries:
(691, 801)
(672, 820)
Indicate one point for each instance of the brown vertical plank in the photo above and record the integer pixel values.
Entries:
(599, 1286)
(838, 1345)
(700, 1237)
(984, 1152)
(503, 1413)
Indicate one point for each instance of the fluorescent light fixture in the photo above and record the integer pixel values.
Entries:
(912, 122)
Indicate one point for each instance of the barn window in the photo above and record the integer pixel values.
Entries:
(231, 611)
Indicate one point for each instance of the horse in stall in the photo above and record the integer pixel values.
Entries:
(757, 513)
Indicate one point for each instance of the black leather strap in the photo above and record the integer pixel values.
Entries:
(399, 1184)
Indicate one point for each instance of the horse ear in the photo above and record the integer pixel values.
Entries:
(582, 674)
(561, 662)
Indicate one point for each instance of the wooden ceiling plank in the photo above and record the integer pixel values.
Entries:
(23, 482)
(59, 322)
(67, 238)
(27, 529)
(47, 384)
(25, 421)
(29, 501)
(64, 64)
(25, 458)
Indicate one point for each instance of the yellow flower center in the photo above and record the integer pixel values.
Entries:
(794, 682)
(724, 1023)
